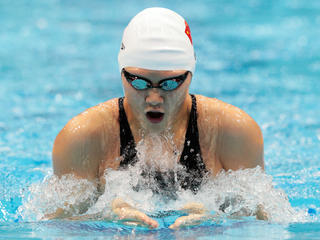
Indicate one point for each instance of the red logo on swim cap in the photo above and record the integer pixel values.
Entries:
(187, 31)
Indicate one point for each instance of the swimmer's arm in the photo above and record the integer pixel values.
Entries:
(77, 207)
(240, 143)
(77, 150)
(68, 212)
(241, 146)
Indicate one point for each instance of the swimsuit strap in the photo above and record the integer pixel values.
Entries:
(127, 145)
(191, 155)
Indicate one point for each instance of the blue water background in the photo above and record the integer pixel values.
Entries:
(58, 58)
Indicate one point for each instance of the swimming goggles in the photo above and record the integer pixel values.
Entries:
(141, 83)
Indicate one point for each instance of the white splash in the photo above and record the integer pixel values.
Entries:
(54, 193)
(229, 194)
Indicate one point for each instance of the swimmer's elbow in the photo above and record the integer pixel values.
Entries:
(255, 146)
(258, 146)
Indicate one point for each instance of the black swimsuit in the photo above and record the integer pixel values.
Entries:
(191, 160)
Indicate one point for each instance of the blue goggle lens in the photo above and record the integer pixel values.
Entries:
(140, 84)
(169, 85)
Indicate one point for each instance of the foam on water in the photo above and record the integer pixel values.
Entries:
(236, 192)
(54, 193)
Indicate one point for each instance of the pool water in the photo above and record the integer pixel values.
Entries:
(58, 58)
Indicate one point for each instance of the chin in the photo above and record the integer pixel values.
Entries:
(156, 127)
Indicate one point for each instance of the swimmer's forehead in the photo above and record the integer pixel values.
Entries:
(149, 72)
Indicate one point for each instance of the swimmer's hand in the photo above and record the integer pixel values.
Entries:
(261, 213)
(67, 212)
(197, 215)
(58, 214)
(128, 215)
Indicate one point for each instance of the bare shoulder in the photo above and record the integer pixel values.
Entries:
(239, 140)
(81, 144)
(91, 121)
(208, 108)
(209, 115)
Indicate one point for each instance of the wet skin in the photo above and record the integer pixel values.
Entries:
(89, 143)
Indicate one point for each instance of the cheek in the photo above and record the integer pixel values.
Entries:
(176, 100)
(129, 92)
(182, 93)
(135, 98)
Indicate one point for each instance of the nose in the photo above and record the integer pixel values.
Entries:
(154, 98)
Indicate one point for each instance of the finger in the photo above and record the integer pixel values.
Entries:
(132, 215)
(193, 207)
(149, 224)
(138, 223)
(119, 203)
(190, 220)
(59, 213)
(181, 221)
(142, 217)
(126, 212)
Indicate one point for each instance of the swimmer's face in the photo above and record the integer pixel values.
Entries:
(155, 108)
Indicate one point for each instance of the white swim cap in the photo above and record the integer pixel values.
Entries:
(157, 39)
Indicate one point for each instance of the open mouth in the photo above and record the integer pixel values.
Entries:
(155, 117)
